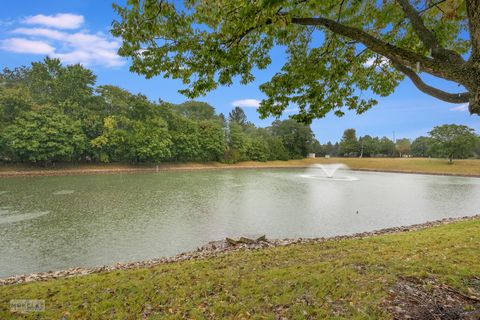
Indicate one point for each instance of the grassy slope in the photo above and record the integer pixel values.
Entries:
(344, 279)
(438, 166)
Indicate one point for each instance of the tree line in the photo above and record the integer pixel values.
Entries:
(445, 141)
(53, 113)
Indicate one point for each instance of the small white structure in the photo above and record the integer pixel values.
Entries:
(311, 155)
(327, 156)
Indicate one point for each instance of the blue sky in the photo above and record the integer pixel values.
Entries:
(78, 31)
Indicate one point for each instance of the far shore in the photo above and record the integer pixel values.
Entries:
(466, 168)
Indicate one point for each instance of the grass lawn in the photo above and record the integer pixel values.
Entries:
(418, 165)
(342, 279)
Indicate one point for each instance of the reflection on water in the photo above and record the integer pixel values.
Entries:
(13, 216)
(49, 223)
(62, 192)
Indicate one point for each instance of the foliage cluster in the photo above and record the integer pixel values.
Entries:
(51, 113)
(445, 141)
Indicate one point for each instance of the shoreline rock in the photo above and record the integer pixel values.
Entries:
(217, 248)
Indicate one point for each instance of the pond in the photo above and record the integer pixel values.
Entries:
(52, 223)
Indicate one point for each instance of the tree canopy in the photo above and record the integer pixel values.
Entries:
(44, 137)
(420, 147)
(403, 146)
(336, 50)
(51, 113)
(452, 141)
(349, 143)
(238, 116)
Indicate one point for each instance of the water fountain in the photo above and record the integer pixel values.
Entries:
(328, 172)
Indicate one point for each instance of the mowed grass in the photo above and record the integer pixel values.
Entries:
(346, 279)
(469, 167)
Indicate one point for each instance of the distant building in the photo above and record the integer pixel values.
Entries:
(311, 155)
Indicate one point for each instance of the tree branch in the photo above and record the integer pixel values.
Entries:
(433, 5)
(340, 10)
(473, 14)
(434, 92)
(405, 57)
(427, 36)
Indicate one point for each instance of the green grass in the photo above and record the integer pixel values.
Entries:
(344, 279)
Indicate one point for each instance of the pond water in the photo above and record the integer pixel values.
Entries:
(52, 223)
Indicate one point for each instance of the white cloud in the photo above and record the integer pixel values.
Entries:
(246, 103)
(59, 21)
(41, 32)
(462, 107)
(26, 46)
(78, 47)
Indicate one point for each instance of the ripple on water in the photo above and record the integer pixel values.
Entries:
(63, 192)
(325, 178)
(20, 217)
(5, 210)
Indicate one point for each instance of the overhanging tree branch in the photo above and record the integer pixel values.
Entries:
(473, 13)
(435, 67)
(433, 5)
(434, 92)
(427, 36)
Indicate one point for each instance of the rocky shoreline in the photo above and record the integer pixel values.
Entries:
(216, 248)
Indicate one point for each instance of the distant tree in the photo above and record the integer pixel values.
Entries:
(196, 110)
(12, 78)
(124, 139)
(349, 144)
(211, 141)
(257, 149)
(51, 83)
(222, 120)
(403, 146)
(276, 148)
(148, 141)
(329, 149)
(116, 101)
(477, 147)
(386, 146)
(317, 148)
(237, 143)
(368, 146)
(420, 147)
(238, 116)
(185, 138)
(297, 137)
(453, 141)
(44, 137)
(13, 101)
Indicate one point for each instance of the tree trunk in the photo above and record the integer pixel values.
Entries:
(474, 105)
